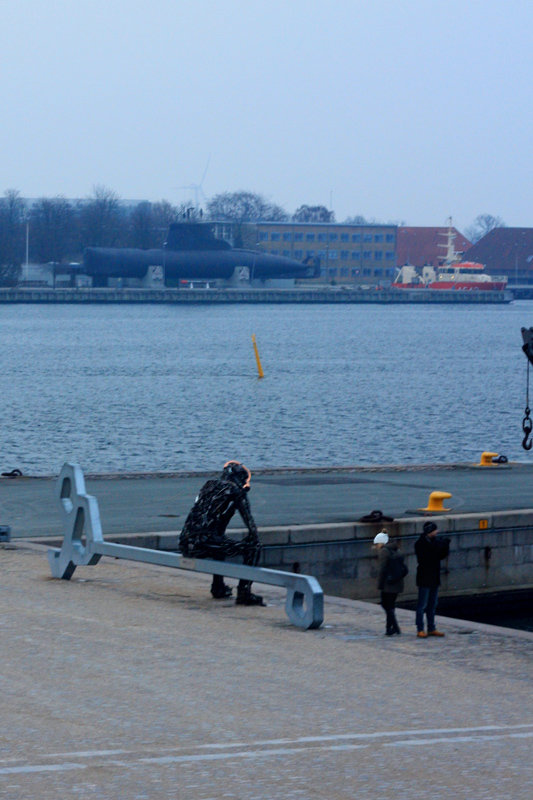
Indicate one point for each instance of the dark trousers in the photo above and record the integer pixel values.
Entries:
(427, 604)
(388, 603)
(250, 552)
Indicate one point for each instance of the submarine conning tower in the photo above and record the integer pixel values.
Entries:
(194, 236)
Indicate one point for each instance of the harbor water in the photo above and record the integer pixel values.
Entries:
(168, 388)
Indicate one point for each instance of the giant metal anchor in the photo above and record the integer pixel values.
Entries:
(84, 544)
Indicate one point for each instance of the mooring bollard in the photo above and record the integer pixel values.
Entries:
(84, 545)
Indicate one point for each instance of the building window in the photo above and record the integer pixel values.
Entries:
(310, 253)
(367, 273)
(333, 237)
(287, 237)
(332, 271)
(344, 272)
(367, 237)
(275, 237)
(263, 236)
(367, 253)
(298, 237)
(345, 255)
(355, 272)
(356, 255)
(309, 237)
(378, 237)
(389, 272)
(345, 237)
(333, 255)
(287, 253)
(356, 237)
(389, 237)
(389, 256)
(322, 272)
(378, 255)
(322, 237)
(321, 253)
(298, 254)
(274, 252)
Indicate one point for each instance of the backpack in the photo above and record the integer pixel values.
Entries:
(396, 568)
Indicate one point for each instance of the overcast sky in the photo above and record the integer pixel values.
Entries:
(412, 110)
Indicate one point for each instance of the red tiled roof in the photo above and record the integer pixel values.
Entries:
(420, 246)
(506, 251)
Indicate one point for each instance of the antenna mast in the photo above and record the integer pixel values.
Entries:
(451, 255)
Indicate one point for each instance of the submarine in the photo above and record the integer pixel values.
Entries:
(191, 252)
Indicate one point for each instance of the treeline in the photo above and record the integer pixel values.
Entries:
(58, 230)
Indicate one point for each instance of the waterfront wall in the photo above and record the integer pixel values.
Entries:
(87, 296)
(488, 552)
(498, 557)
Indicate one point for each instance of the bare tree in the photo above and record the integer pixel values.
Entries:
(142, 226)
(313, 214)
(358, 219)
(149, 222)
(12, 219)
(165, 214)
(482, 225)
(52, 225)
(242, 207)
(102, 222)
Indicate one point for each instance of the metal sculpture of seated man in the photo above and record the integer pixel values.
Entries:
(203, 534)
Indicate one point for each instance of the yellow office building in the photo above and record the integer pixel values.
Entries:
(345, 254)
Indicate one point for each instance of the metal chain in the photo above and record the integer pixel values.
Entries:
(527, 422)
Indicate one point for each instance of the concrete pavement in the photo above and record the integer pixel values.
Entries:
(130, 682)
(143, 503)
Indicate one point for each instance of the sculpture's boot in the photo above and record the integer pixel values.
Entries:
(219, 589)
(245, 597)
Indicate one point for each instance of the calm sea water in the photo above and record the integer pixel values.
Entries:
(135, 388)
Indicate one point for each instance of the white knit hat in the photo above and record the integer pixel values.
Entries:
(381, 538)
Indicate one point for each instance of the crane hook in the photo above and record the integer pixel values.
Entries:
(527, 427)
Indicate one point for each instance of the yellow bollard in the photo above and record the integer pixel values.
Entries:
(486, 459)
(260, 373)
(435, 502)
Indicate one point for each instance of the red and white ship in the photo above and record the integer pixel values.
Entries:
(452, 274)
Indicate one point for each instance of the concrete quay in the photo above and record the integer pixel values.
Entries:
(309, 520)
(130, 682)
(147, 502)
(309, 295)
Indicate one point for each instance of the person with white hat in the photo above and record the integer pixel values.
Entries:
(392, 571)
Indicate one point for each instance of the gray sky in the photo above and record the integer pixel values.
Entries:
(412, 110)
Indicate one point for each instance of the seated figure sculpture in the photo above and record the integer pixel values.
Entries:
(203, 534)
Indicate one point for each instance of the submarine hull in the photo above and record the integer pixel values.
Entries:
(102, 263)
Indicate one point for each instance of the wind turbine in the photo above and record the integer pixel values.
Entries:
(197, 188)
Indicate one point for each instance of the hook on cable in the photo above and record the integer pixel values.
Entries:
(527, 427)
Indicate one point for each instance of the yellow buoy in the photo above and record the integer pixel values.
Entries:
(486, 459)
(260, 373)
(435, 502)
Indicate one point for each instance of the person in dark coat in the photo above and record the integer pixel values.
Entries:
(390, 586)
(430, 549)
(203, 534)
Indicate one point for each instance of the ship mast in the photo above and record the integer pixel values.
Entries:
(451, 256)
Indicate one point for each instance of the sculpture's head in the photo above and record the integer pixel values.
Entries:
(238, 473)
